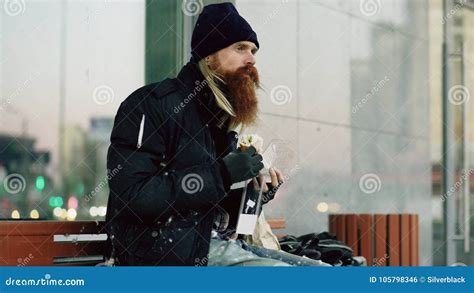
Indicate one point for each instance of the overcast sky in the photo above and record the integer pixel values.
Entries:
(104, 49)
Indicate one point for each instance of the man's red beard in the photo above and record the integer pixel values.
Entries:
(241, 87)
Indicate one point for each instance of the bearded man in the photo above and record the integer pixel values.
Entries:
(175, 143)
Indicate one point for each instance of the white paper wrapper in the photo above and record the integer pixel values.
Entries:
(254, 140)
(246, 224)
(247, 221)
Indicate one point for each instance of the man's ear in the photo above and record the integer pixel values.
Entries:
(211, 61)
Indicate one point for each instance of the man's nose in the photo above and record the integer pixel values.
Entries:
(250, 59)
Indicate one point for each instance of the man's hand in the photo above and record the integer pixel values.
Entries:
(270, 189)
(243, 164)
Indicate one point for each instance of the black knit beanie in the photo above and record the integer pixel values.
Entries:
(219, 26)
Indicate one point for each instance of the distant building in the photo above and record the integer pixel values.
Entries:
(20, 165)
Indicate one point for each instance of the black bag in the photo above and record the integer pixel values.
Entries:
(322, 246)
(302, 246)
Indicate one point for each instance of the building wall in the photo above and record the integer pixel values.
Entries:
(347, 86)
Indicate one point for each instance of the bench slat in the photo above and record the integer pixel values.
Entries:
(78, 259)
(79, 238)
(48, 227)
(380, 239)
(394, 240)
(276, 224)
(366, 234)
(405, 239)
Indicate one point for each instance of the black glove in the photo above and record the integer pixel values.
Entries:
(270, 194)
(243, 165)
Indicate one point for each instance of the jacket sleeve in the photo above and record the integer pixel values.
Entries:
(143, 187)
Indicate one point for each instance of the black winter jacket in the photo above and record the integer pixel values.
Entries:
(166, 174)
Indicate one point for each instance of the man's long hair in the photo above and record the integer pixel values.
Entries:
(213, 79)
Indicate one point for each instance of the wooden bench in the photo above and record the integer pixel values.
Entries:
(384, 240)
(59, 243)
(387, 240)
(277, 224)
(51, 243)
